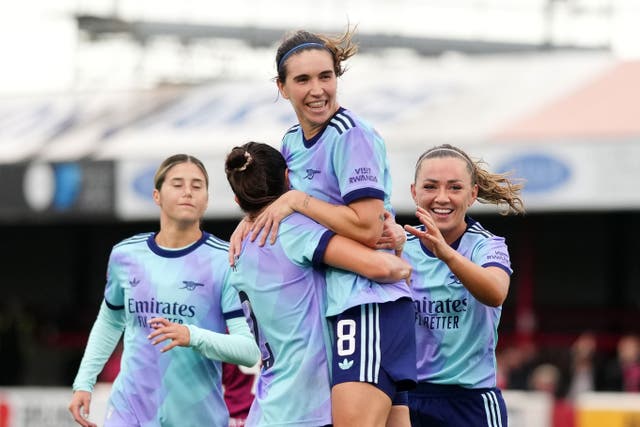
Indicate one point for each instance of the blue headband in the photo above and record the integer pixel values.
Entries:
(298, 47)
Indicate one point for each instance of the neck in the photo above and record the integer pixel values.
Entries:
(251, 216)
(455, 234)
(311, 131)
(176, 237)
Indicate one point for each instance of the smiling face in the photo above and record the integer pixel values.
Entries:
(443, 187)
(311, 85)
(183, 196)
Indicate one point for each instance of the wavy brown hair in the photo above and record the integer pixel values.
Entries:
(341, 48)
(493, 188)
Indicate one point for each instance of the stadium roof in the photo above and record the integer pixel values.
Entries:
(260, 36)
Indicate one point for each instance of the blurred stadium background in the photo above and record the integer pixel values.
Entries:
(93, 94)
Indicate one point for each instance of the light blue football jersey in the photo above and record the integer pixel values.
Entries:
(345, 162)
(456, 335)
(283, 288)
(180, 387)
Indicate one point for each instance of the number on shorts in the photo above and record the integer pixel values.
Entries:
(346, 332)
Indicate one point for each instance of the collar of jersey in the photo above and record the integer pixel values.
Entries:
(308, 143)
(455, 244)
(168, 253)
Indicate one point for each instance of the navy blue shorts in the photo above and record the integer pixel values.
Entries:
(375, 343)
(401, 398)
(453, 406)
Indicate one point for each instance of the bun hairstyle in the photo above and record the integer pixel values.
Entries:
(236, 163)
(256, 173)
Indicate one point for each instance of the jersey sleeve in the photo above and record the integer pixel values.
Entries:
(359, 164)
(304, 240)
(229, 298)
(493, 252)
(113, 293)
(104, 336)
(237, 347)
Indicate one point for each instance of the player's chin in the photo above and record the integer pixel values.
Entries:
(319, 116)
(188, 220)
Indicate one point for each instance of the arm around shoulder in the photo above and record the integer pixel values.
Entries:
(379, 266)
(361, 220)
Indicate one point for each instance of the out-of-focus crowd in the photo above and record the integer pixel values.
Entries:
(564, 375)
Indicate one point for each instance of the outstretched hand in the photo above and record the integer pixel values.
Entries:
(80, 407)
(431, 237)
(166, 330)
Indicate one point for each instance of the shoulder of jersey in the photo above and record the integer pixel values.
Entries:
(342, 122)
(478, 230)
(217, 243)
(292, 129)
(411, 237)
(136, 239)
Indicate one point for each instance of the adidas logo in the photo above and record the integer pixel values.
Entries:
(345, 364)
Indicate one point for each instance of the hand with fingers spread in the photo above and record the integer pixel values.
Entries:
(393, 235)
(267, 223)
(166, 330)
(431, 237)
(80, 407)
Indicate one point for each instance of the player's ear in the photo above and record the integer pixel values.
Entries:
(282, 90)
(414, 194)
(156, 196)
(474, 194)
